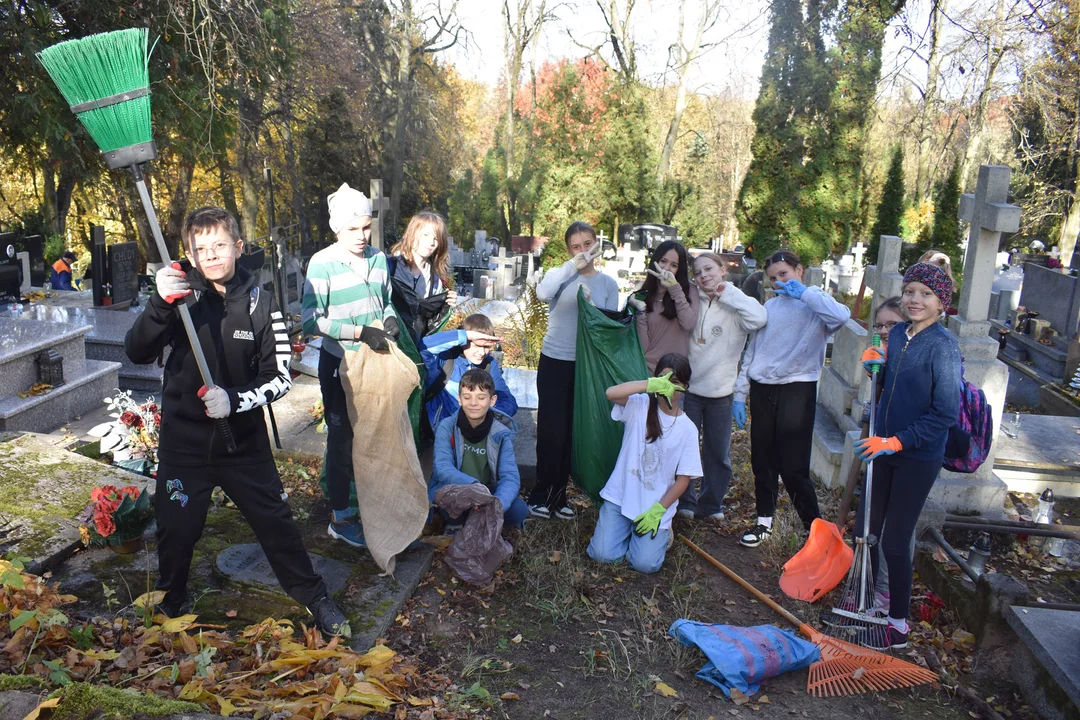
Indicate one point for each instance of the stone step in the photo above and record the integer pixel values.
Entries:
(827, 451)
(78, 395)
(132, 377)
(21, 341)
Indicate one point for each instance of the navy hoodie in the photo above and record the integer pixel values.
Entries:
(921, 390)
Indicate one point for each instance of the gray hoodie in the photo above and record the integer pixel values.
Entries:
(791, 346)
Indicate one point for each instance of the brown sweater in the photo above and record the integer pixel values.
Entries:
(660, 335)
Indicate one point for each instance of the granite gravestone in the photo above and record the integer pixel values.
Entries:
(380, 206)
(123, 264)
(98, 260)
(34, 246)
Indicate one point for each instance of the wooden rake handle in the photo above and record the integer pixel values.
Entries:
(803, 627)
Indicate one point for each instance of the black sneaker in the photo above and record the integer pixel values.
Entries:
(895, 638)
(540, 511)
(565, 513)
(329, 618)
(755, 536)
(168, 610)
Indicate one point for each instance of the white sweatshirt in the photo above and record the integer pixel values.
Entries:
(791, 347)
(719, 338)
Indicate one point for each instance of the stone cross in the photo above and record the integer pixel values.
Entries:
(601, 237)
(989, 215)
(379, 205)
(884, 279)
(858, 250)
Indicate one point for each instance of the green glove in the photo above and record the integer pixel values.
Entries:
(649, 521)
(662, 386)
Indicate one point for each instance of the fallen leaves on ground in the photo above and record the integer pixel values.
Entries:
(271, 668)
(662, 688)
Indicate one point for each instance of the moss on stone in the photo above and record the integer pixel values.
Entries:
(21, 682)
(80, 701)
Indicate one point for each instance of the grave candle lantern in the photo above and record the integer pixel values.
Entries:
(51, 367)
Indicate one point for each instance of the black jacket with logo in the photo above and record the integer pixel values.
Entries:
(247, 349)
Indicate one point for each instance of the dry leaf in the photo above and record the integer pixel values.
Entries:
(509, 696)
(50, 703)
(231, 614)
(555, 556)
(666, 690)
(859, 672)
(516, 639)
(146, 601)
(175, 625)
(419, 702)
(764, 700)
(738, 697)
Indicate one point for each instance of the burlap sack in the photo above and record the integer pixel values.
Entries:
(390, 487)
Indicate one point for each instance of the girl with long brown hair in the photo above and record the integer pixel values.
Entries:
(420, 274)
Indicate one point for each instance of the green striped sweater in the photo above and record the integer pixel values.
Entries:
(342, 292)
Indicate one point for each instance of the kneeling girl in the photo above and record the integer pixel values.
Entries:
(659, 456)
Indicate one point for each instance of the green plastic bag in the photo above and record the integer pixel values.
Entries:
(608, 353)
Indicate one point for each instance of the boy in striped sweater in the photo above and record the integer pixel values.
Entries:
(346, 290)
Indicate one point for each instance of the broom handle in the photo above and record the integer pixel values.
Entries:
(185, 314)
(803, 627)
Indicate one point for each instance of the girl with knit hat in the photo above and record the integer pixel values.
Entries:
(919, 402)
(725, 318)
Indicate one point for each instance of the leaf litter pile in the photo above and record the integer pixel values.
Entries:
(271, 669)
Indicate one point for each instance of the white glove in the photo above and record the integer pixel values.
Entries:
(582, 259)
(638, 305)
(171, 283)
(666, 277)
(216, 401)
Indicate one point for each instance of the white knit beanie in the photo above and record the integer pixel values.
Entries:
(345, 206)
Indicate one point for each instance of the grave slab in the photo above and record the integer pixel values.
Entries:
(1044, 454)
(43, 487)
(1051, 638)
(247, 565)
(522, 384)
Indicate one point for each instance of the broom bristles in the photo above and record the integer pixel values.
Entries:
(98, 67)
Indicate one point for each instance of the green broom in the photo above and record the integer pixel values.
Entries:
(105, 79)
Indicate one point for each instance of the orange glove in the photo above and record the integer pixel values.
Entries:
(869, 448)
(872, 359)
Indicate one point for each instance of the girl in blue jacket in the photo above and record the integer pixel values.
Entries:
(919, 402)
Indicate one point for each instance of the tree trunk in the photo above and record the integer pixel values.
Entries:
(178, 205)
(403, 86)
(48, 206)
(145, 235)
(928, 114)
(225, 181)
(64, 189)
(686, 56)
(247, 139)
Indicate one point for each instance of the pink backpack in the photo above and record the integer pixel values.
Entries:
(970, 438)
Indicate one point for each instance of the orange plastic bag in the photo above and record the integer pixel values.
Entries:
(821, 564)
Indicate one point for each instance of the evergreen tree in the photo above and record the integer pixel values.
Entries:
(890, 210)
(946, 233)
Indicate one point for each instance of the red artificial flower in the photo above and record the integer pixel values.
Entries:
(128, 418)
(150, 408)
(157, 419)
(132, 491)
(104, 524)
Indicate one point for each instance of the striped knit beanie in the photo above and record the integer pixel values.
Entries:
(934, 278)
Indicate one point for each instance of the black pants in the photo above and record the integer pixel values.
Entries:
(256, 490)
(339, 433)
(781, 435)
(554, 429)
(901, 486)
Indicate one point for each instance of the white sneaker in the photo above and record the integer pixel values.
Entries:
(688, 514)
(716, 517)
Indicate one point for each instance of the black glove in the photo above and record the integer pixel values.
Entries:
(376, 339)
(390, 324)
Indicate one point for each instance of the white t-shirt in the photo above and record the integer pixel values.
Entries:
(645, 471)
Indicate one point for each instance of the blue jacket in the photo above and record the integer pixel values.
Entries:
(436, 350)
(450, 447)
(920, 398)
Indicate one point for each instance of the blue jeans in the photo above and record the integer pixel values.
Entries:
(514, 516)
(713, 419)
(614, 539)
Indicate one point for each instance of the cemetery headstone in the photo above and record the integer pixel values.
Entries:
(34, 246)
(23, 259)
(123, 272)
(380, 205)
(97, 264)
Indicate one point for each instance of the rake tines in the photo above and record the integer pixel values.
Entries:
(849, 669)
(845, 668)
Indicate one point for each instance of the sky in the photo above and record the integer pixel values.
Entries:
(731, 66)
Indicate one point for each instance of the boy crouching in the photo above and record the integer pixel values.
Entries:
(472, 446)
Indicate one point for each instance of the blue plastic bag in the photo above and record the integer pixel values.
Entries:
(742, 657)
